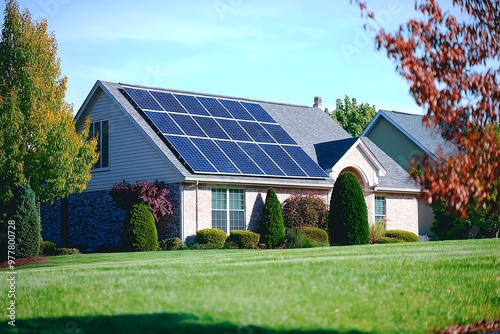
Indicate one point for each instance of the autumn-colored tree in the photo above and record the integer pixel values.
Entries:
(353, 117)
(451, 63)
(38, 139)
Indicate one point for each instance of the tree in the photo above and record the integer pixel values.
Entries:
(28, 227)
(348, 219)
(272, 228)
(353, 117)
(451, 64)
(153, 194)
(38, 138)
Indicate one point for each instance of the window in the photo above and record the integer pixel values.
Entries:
(379, 208)
(101, 128)
(228, 209)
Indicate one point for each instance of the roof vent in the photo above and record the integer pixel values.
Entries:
(318, 103)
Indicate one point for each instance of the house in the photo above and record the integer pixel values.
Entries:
(405, 138)
(218, 155)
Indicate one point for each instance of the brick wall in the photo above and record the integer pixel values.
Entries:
(95, 222)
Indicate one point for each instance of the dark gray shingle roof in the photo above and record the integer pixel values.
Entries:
(329, 153)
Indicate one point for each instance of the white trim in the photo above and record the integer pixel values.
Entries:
(397, 190)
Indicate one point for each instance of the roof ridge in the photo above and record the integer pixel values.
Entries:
(211, 95)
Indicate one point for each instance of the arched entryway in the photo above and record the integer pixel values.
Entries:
(359, 175)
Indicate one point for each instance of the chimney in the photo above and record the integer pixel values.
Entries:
(318, 103)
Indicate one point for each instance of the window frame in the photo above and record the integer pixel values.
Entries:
(102, 143)
(377, 215)
(226, 204)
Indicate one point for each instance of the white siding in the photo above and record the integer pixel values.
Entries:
(132, 157)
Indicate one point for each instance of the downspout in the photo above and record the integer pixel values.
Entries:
(196, 205)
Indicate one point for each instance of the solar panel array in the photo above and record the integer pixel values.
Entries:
(223, 136)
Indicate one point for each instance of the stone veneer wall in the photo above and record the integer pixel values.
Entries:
(95, 222)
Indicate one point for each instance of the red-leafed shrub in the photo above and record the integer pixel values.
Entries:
(153, 194)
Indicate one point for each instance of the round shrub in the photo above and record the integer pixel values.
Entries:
(244, 239)
(213, 237)
(387, 240)
(28, 225)
(405, 236)
(171, 244)
(315, 234)
(139, 232)
(302, 211)
(348, 219)
(48, 248)
(272, 228)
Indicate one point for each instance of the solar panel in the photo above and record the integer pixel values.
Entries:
(168, 101)
(258, 112)
(192, 105)
(236, 109)
(286, 163)
(234, 130)
(211, 127)
(214, 107)
(262, 159)
(215, 156)
(189, 153)
(257, 132)
(239, 158)
(279, 134)
(222, 136)
(187, 123)
(164, 123)
(305, 161)
(143, 99)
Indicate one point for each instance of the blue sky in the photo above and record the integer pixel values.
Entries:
(283, 50)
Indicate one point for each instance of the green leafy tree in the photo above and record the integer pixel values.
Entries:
(272, 228)
(353, 117)
(38, 138)
(28, 226)
(348, 219)
(139, 231)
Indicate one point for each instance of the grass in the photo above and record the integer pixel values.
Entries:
(393, 288)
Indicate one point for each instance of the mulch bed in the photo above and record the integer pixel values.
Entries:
(25, 261)
(484, 326)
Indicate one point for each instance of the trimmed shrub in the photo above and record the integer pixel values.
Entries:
(171, 244)
(272, 228)
(211, 236)
(67, 251)
(295, 238)
(48, 248)
(387, 240)
(243, 239)
(28, 226)
(305, 211)
(314, 233)
(348, 219)
(405, 236)
(139, 232)
(377, 231)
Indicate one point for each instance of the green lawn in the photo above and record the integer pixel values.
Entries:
(393, 288)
